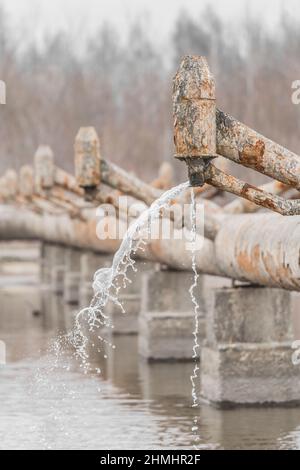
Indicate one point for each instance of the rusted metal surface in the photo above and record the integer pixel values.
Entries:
(87, 158)
(239, 206)
(26, 181)
(43, 168)
(194, 108)
(243, 145)
(119, 179)
(66, 181)
(9, 185)
(62, 229)
(235, 186)
(260, 248)
(200, 131)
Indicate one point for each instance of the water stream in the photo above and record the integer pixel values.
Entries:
(195, 374)
(107, 284)
(140, 405)
(108, 281)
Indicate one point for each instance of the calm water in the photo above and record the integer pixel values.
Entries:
(131, 405)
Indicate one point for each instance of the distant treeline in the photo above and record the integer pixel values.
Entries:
(124, 90)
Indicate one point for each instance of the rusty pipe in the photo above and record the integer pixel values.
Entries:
(244, 146)
(196, 129)
(233, 185)
(260, 248)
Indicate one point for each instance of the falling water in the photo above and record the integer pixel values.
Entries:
(195, 374)
(107, 283)
(88, 322)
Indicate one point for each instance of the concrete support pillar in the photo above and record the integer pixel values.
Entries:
(130, 298)
(58, 270)
(72, 276)
(52, 310)
(53, 267)
(89, 263)
(45, 267)
(165, 380)
(167, 316)
(247, 358)
(17, 257)
(122, 364)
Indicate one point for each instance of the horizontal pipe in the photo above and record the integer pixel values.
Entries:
(62, 229)
(239, 205)
(260, 248)
(126, 183)
(244, 146)
(230, 183)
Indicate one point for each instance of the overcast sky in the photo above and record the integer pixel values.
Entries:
(80, 18)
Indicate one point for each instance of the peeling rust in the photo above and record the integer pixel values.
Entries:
(248, 262)
(245, 146)
(252, 155)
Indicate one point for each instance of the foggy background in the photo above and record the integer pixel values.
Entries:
(110, 64)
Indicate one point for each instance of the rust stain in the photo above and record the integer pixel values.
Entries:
(249, 263)
(252, 155)
(261, 197)
(279, 272)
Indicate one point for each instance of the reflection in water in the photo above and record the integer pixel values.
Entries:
(48, 403)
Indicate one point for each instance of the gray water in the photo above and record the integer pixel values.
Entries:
(131, 404)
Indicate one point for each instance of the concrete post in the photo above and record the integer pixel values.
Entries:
(43, 168)
(72, 276)
(167, 319)
(53, 267)
(87, 158)
(247, 358)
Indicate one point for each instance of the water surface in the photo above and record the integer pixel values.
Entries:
(131, 405)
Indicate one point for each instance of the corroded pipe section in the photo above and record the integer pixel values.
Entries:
(240, 206)
(231, 184)
(260, 248)
(126, 183)
(26, 181)
(243, 145)
(43, 168)
(66, 181)
(9, 185)
(87, 158)
(62, 229)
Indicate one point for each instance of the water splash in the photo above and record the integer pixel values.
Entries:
(195, 375)
(89, 321)
(108, 281)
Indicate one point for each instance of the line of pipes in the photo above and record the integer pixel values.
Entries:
(45, 202)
